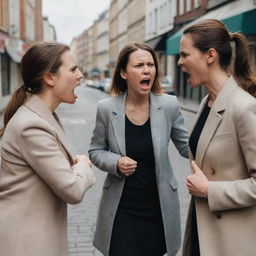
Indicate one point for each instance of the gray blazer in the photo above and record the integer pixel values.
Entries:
(108, 145)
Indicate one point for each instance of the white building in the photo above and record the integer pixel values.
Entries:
(49, 33)
(103, 44)
(159, 23)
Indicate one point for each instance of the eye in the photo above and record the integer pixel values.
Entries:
(139, 65)
(151, 64)
(73, 69)
(184, 55)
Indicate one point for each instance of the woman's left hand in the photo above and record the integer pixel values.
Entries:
(197, 182)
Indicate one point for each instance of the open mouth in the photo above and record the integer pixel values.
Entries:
(187, 75)
(75, 92)
(145, 82)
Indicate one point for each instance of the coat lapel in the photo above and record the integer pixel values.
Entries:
(36, 105)
(214, 119)
(118, 122)
(157, 118)
(208, 131)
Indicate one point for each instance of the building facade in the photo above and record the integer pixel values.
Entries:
(102, 50)
(49, 33)
(21, 23)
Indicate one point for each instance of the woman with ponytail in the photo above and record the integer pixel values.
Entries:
(38, 175)
(222, 212)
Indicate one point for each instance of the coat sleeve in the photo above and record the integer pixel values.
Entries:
(179, 133)
(41, 150)
(99, 152)
(225, 195)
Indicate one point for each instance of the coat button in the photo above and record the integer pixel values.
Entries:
(218, 215)
(213, 172)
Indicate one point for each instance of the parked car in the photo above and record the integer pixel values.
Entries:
(168, 85)
(106, 83)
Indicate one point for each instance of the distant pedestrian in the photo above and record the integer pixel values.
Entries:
(222, 214)
(38, 175)
(139, 212)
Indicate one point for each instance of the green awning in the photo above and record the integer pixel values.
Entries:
(243, 22)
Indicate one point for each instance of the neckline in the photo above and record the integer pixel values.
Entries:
(137, 125)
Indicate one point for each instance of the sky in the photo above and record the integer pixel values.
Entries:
(71, 17)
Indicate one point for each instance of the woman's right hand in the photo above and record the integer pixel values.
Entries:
(85, 158)
(126, 165)
(90, 175)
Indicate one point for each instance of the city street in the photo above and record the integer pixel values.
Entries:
(78, 120)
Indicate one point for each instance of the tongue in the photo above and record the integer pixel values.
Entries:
(144, 83)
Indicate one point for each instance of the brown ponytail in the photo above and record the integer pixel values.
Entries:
(17, 99)
(242, 69)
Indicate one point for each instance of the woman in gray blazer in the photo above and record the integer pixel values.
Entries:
(139, 211)
(38, 175)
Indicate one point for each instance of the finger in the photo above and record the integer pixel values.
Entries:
(129, 171)
(130, 160)
(132, 166)
(195, 167)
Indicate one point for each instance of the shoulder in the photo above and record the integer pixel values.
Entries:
(25, 119)
(109, 103)
(241, 101)
(166, 101)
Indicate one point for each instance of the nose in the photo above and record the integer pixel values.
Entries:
(180, 61)
(146, 69)
(79, 74)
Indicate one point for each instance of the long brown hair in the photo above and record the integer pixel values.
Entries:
(119, 85)
(41, 58)
(212, 33)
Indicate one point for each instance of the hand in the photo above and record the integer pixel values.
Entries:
(89, 172)
(197, 182)
(85, 158)
(126, 165)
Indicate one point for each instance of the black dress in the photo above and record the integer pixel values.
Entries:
(138, 227)
(193, 142)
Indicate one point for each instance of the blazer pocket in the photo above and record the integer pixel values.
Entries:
(174, 184)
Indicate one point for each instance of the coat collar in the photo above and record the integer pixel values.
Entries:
(118, 121)
(214, 118)
(37, 105)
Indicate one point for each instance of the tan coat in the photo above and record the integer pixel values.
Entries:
(226, 153)
(36, 183)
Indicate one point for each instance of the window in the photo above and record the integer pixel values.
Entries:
(156, 21)
(5, 68)
(181, 7)
(196, 4)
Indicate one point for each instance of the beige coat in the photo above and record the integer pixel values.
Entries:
(36, 183)
(226, 153)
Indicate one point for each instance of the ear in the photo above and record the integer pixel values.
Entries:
(49, 79)
(211, 55)
(123, 74)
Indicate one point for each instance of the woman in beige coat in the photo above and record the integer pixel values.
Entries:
(38, 175)
(222, 214)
